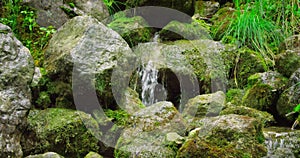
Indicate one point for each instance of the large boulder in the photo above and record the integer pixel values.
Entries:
(134, 30)
(264, 117)
(17, 68)
(289, 99)
(175, 30)
(288, 61)
(57, 12)
(264, 90)
(225, 136)
(67, 132)
(87, 50)
(147, 134)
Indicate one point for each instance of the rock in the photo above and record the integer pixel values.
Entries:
(56, 13)
(221, 21)
(37, 76)
(205, 57)
(46, 155)
(242, 63)
(180, 5)
(93, 155)
(134, 30)
(264, 117)
(176, 31)
(234, 96)
(289, 99)
(131, 102)
(16, 72)
(288, 61)
(264, 91)
(146, 137)
(282, 142)
(88, 51)
(67, 132)
(205, 105)
(225, 136)
(206, 9)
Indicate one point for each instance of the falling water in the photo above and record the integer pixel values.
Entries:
(152, 91)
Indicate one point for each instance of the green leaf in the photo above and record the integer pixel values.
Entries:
(297, 108)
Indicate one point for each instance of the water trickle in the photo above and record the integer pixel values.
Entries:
(152, 91)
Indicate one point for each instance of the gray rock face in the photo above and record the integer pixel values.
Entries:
(86, 48)
(289, 99)
(147, 137)
(16, 72)
(57, 12)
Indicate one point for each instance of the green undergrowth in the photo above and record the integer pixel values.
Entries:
(22, 21)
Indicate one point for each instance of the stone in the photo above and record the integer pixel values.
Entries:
(289, 98)
(176, 31)
(88, 51)
(288, 60)
(57, 12)
(134, 30)
(225, 136)
(16, 72)
(146, 137)
(67, 132)
(206, 9)
(93, 155)
(264, 117)
(263, 92)
(45, 155)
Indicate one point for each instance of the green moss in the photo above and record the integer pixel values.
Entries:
(63, 131)
(120, 117)
(235, 96)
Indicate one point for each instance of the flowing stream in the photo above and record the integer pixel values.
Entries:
(282, 142)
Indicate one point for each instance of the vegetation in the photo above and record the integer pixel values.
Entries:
(21, 19)
(256, 26)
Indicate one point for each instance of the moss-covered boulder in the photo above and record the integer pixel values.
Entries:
(242, 63)
(131, 102)
(206, 9)
(264, 117)
(80, 57)
(208, 64)
(204, 105)
(176, 31)
(225, 136)
(147, 135)
(289, 99)
(93, 155)
(180, 5)
(288, 61)
(67, 132)
(221, 21)
(134, 30)
(264, 90)
(234, 96)
(45, 155)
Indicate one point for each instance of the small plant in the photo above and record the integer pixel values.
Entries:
(113, 6)
(296, 109)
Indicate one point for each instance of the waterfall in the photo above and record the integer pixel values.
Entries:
(152, 91)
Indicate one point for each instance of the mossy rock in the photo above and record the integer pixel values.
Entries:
(206, 8)
(146, 136)
(264, 89)
(67, 132)
(241, 64)
(234, 96)
(225, 136)
(46, 155)
(221, 22)
(93, 155)
(289, 99)
(134, 30)
(176, 31)
(287, 62)
(264, 117)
